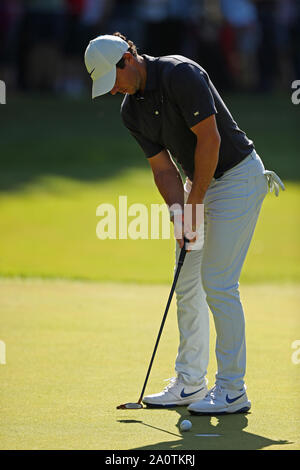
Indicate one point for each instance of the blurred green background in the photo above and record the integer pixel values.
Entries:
(61, 158)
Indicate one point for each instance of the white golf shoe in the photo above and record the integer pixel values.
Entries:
(176, 393)
(221, 401)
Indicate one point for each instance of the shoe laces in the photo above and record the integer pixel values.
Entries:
(215, 390)
(172, 381)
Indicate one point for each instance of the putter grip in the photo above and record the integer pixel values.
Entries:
(183, 251)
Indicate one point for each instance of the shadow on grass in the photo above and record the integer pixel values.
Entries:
(223, 432)
(85, 140)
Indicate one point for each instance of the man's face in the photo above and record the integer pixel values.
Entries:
(128, 79)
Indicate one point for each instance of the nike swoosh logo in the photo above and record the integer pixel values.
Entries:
(92, 71)
(232, 400)
(184, 395)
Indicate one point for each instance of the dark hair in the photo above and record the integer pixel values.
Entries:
(132, 49)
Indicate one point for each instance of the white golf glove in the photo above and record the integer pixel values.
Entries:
(274, 182)
(183, 225)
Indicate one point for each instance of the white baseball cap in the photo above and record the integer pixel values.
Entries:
(101, 57)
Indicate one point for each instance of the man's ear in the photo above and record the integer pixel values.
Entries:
(128, 57)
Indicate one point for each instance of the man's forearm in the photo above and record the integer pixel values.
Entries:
(169, 184)
(206, 160)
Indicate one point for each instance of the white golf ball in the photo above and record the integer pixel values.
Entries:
(185, 425)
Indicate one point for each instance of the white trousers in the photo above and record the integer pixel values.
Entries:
(209, 278)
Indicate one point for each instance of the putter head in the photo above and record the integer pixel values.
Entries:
(130, 406)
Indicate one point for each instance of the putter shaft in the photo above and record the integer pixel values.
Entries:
(181, 258)
(179, 265)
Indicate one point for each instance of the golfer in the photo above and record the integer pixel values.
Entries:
(175, 113)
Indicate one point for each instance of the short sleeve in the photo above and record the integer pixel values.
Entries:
(190, 90)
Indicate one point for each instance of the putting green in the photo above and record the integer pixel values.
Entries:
(75, 350)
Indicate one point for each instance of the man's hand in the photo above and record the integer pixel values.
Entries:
(187, 224)
(177, 217)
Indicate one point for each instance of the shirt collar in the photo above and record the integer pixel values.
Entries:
(151, 67)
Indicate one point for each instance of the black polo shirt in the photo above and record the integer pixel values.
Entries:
(178, 95)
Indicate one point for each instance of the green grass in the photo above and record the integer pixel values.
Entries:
(52, 233)
(76, 350)
(60, 159)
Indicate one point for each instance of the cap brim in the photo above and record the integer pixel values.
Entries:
(104, 84)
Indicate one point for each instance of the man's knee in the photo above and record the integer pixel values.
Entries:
(217, 288)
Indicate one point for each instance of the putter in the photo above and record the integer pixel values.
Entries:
(138, 405)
